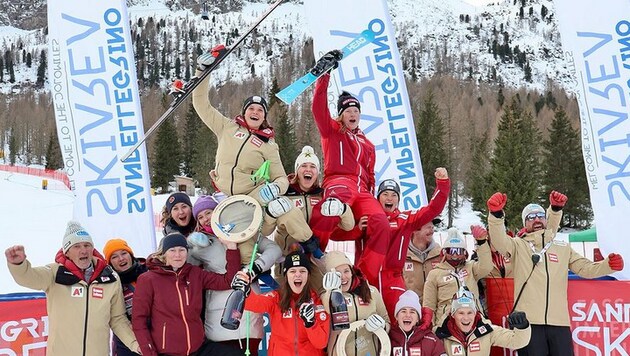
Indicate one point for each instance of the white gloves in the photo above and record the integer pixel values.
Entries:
(307, 314)
(269, 192)
(333, 207)
(204, 60)
(374, 322)
(279, 207)
(332, 280)
(198, 239)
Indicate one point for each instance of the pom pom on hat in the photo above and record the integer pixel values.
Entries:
(174, 239)
(409, 299)
(114, 245)
(75, 234)
(175, 198)
(345, 101)
(531, 208)
(307, 156)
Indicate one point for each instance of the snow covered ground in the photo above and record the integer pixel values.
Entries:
(37, 219)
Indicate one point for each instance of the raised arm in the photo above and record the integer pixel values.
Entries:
(427, 213)
(496, 225)
(24, 274)
(321, 113)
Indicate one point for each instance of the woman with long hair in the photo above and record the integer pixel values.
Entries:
(298, 319)
(363, 301)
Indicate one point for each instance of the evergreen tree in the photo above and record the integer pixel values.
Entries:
(1, 70)
(53, 153)
(515, 164)
(29, 60)
(430, 131)
(13, 147)
(205, 143)
(166, 156)
(41, 70)
(284, 129)
(477, 185)
(565, 170)
(191, 129)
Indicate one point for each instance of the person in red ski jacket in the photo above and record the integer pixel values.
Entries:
(297, 316)
(349, 159)
(403, 224)
(407, 336)
(167, 303)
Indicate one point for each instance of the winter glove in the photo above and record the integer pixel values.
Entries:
(278, 206)
(557, 199)
(312, 246)
(307, 314)
(332, 280)
(198, 239)
(333, 207)
(269, 192)
(518, 320)
(239, 283)
(328, 62)
(254, 273)
(497, 202)
(427, 318)
(206, 59)
(479, 232)
(615, 261)
(374, 322)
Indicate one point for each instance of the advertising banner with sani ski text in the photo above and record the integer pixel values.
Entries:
(596, 41)
(92, 76)
(374, 75)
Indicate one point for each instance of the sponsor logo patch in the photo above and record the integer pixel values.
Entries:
(408, 266)
(457, 350)
(239, 135)
(288, 314)
(298, 203)
(256, 141)
(77, 292)
(397, 351)
(97, 293)
(348, 301)
(448, 278)
(475, 346)
(463, 273)
(552, 257)
(314, 201)
(415, 351)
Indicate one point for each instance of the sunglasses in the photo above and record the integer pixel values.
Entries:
(455, 251)
(533, 216)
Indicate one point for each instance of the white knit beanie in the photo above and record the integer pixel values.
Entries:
(409, 299)
(75, 233)
(463, 300)
(531, 208)
(307, 156)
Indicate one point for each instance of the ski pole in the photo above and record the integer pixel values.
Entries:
(185, 92)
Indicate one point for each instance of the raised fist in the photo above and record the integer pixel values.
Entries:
(333, 207)
(497, 202)
(427, 318)
(15, 254)
(332, 280)
(441, 173)
(328, 62)
(206, 59)
(269, 192)
(615, 261)
(479, 232)
(307, 314)
(518, 320)
(557, 199)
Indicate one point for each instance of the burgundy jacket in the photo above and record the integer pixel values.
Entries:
(167, 305)
(420, 342)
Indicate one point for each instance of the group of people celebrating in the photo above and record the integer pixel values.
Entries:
(405, 294)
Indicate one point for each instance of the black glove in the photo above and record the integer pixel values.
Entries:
(254, 273)
(307, 314)
(518, 320)
(239, 284)
(328, 62)
(311, 245)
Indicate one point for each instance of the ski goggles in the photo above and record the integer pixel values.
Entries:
(455, 251)
(540, 215)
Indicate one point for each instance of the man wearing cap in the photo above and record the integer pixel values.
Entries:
(465, 331)
(406, 335)
(119, 255)
(83, 296)
(244, 145)
(403, 224)
(540, 268)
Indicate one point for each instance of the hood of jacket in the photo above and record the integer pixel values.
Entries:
(68, 269)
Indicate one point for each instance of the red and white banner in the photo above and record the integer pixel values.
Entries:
(23, 327)
(92, 76)
(599, 312)
(596, 40)
(375, 76)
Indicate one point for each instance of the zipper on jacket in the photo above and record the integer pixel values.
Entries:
(306, 204)
(164, 336)
(85, 325)
(546, 294)
(238, 154)
(295, 339)
(359, 153)
(341, 153)
(356, 317)
(181, 309)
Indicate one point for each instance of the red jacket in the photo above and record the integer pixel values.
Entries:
(167, 305)
(403, 224)
(420, 342)
(346, 153)
(290, 336)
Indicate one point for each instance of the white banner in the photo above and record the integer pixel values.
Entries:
(596, 41)
(92, 76)
(375, 76)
